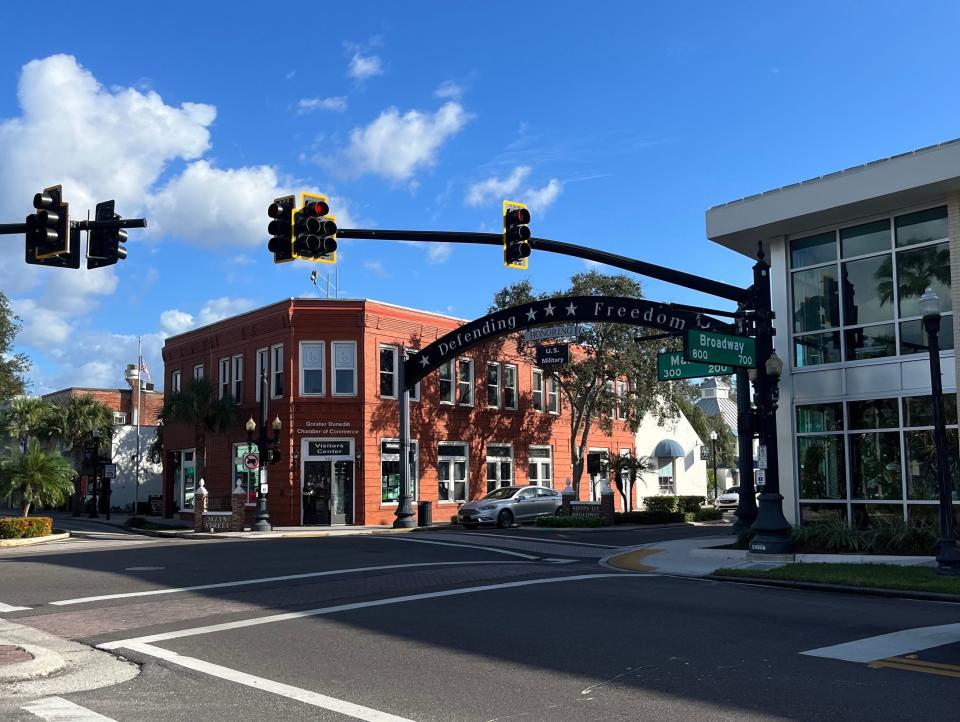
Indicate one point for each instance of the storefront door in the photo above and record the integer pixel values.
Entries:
(342, 502)
(316, 492)
(327, 474)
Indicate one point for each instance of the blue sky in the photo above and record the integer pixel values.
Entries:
(621, 123)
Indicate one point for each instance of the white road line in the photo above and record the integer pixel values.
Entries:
(321, 611)
(58, 709)
(263, 580)
(894, 644)
(496, 550)
(340, 706)
(10, 608)
(531, 538)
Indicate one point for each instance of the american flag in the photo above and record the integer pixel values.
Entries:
(145, 371)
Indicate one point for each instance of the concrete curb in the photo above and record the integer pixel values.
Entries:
(43, 664)
(30, 541)
(744, 555)
(840, 588)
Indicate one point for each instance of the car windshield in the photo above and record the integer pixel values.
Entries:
(733, 490)
(504, 492)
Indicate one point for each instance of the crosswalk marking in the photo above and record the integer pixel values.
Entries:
(894, 644)
(58, 709)
(11, 608)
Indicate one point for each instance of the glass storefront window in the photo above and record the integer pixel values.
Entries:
(816, 348)
(913, 336)
(870, 342)
(873, 414)
(865, 238)
(246, 479)
(813, 249)
(821, 462)
(875, 466)
(819, 417)
(817, 513)
(867, 514)
(868, 290)
(816, 299)
(918, 410)
(390, 470)
(922, 464)
(922, 226)
(919, 269)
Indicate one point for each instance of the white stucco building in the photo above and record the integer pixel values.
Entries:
(850, 254)
(675, 449)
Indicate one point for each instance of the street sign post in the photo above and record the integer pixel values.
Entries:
(109, 471)
(719, 348)
(671, 366)
(554, 354)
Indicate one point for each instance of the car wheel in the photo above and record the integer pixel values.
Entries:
(469, 526)
(505, 519)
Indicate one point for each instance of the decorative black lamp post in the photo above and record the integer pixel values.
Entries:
(713, 449)
(948, 555)
(269, 453)
(94, 481)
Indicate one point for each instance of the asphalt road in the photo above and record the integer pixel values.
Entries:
(494, 625)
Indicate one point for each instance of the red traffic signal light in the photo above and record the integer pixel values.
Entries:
(315, 230)
(516, 235)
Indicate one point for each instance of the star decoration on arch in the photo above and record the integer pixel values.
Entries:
(531, 314)
(424, 361)
(571, 309)
(548, 309)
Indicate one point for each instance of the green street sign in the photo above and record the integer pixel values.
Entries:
(671, 366)
(719, 348)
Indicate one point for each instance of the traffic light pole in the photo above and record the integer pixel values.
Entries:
(10, 229)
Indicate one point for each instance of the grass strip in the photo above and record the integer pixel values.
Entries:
(879, 576)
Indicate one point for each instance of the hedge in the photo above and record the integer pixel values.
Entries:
(23, 527)
(708, 514)
(682, 504)
(568, 521)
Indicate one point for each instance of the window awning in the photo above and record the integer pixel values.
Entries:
(670, 449)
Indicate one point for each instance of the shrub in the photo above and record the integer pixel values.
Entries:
(648, 517)
(660, 503)
(883, 537)
(690, 503)
(21, 527)
(569, 521)
(744, 538)
(708, 514)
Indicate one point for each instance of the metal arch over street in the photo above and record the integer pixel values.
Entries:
(563, 309)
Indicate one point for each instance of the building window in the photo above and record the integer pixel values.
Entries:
(665, 475)
(224, 377)
(856, 290)
(388, 372)
(175, 382)
(390, 470)
(499, 466)
(311, 368)
(119, 419)
(537, 388)
(247, 480)
(509, 386)
(185, 477)
(415, 392)
(198, 372)
(238, 378)
(465, 382)
(540, 464)
(622, 388)
(263, 356)
(344, 368)
(276, 372)
(493, 385)
(446, 383)
(891, 474)
(553, 395)
(452, 471)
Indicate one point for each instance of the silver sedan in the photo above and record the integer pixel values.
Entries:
(509, 505)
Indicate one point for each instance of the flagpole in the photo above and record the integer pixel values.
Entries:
(136, 480)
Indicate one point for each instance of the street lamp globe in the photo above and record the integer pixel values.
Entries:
(774, 365)
(276, 423)
(929, 303)
(713, 436)
(251, 425)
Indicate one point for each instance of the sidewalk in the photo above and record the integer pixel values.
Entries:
(696, 558)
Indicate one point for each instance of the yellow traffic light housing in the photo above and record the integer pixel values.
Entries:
(516, 235)
(315, 230)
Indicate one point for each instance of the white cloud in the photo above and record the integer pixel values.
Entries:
(495, 188)
(491, 189)
(376, 268)
(395, 146)
(449, 90)
(539, 198)
(173, 321)
(307, 105)
(364, 66)
(439, 252)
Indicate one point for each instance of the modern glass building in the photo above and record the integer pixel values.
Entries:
(851, 253)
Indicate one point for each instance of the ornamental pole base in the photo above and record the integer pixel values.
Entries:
(404, 514)
(772, 527)
(261, 520)
(745, 519)
(948, 559)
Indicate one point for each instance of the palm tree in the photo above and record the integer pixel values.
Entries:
(36, 476)
(25, 417)
(74, 423)
(199, 406)
(627, 468)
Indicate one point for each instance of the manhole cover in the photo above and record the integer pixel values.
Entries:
(11, 654)
(143, 569)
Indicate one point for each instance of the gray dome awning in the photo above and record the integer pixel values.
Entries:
(670, 449)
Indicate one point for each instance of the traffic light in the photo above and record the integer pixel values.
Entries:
(315, 230)
(516, 235)
(281, 228)
(103, 244)
(48, 230)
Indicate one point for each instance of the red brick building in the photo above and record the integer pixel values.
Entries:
(487, 420)
(123, 402)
